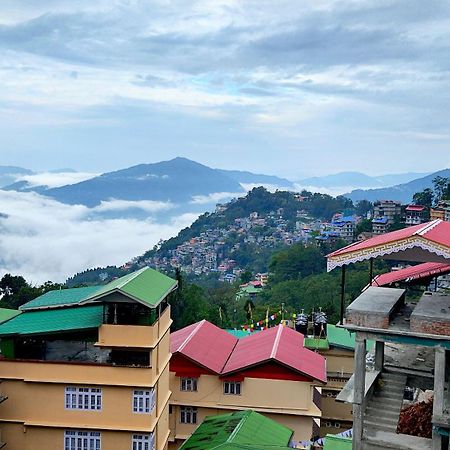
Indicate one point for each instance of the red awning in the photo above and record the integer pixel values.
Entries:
(413, 273)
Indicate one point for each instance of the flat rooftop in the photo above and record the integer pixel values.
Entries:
(433, 306)
(376, 300)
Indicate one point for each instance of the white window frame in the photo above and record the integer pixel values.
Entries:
(82, 440)
(188, 414)
(232, 387)
(188, 384)
(84, 398)
(143, 442)
(144, 401)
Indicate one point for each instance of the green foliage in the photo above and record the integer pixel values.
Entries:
(246, 276)
(296, 262)
(364, 225)
(441, 188)
(424, 198)
(16, 291)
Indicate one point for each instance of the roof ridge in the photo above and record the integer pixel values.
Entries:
(276, 342)
(191, 334)
(428, 227)
(138, 272)
(229, 356)
(239, 426)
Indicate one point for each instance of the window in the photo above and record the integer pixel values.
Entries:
(188, 414)
(82, 440)
(232, 387)
(84, 398)
(143, 442)
(188, 384)
(144, 401)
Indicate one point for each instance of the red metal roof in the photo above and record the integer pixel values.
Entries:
(280, 344)
(205, 344)
(219, 351)
(420, 271)
(415, 208)
(431, 237)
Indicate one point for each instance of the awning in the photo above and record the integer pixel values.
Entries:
(428, 242)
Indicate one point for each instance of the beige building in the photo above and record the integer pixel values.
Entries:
(88, 368)
(271, 372)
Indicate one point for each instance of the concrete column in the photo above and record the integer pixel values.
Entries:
(358, 392)
(379, 355)
(439, 386)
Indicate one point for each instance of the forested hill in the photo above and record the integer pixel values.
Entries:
(263, 202)
(229, 233)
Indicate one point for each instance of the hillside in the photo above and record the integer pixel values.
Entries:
(243, 234)
(258, 179)
(401, 192)
(9, 174)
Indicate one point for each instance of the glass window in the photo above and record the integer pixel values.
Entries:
(189, 384)
(188, 414)
(232, 387)
(83, 398)
(144, 401)
(143, 442)
(82, 440)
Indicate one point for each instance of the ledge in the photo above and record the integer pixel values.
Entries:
(346, 395)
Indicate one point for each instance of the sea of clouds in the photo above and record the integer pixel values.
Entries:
(42, 239)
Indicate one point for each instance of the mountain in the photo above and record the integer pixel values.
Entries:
(358, 179)
(9, 174)
(177, 181)
(400, 192)
(243, 177)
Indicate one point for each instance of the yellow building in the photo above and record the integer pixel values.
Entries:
(271, 372)
(88, 368)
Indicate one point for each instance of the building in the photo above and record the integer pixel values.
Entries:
(344, 226)
(415, 214)
(246, 430)
(441, 211)
(420, 330)
(379, 225)
(388, 209)
(88, 368)
(338, 349)
(271, 372)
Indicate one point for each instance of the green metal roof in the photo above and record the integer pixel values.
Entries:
(242, 429)
(240, 333)
(146, 286)
(53, 320)
(60, 297)
(7, 314)
(333, 442)
(316, 344)
(340, 337)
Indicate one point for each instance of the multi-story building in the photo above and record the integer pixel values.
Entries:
(344, 226)
(379, 225)
(271, 372)
(389, 209)
(415, 214)
(88, 368)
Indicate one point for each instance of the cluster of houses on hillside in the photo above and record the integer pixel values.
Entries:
(214, 251)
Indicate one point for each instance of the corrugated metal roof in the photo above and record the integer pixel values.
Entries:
(7, 314)
(333, 442)
(342, 338)
(204, 343)
(420, 271)
(146, 286)
(281, 344)
(60, 297)
(431, 237)
(243, 429)
(53, 320)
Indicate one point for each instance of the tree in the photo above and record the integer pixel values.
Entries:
(364, 225)
(16, 291)
(363, 207)
(441, 188)
(246, 276)
(424, 198)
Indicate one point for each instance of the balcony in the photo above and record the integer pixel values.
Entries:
(134, 336)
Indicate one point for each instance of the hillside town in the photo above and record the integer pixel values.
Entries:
(213, 250)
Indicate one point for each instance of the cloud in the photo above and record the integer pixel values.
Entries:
(149, 206)
(214, 197)
(42, 239)
(56, 179)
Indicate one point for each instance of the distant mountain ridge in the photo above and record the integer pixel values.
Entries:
(401, 192)
(358, 179)
(245, 177)
(9, 174)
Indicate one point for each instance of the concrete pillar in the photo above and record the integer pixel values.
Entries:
(439, 386)
(379, 355)
(358, 392)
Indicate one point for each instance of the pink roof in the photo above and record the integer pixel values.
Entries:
(415, 208)
(421, 271)
(280, 344)
(219, 351)
(437, 233)
(204, 343)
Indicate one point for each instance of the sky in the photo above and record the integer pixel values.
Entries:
(284, 87)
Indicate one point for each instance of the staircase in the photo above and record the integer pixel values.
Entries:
(382, 414)
(383, 409)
